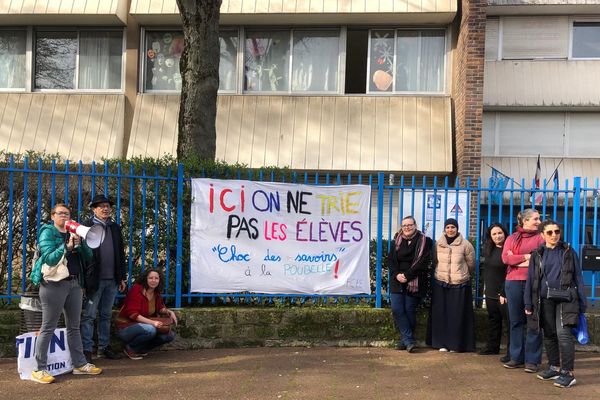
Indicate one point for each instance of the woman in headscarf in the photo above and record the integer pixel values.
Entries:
(451, 323)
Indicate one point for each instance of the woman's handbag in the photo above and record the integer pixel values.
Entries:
(166, 324)
(56, 272)
(559, 295)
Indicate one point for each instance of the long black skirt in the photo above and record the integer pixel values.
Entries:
(451, 318)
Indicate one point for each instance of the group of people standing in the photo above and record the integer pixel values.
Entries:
(533, 283)
(89, 281)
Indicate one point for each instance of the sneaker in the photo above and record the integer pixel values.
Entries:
(565, 380)
(42, 377)
(443, 349)
(400, 346)
(512, 364)
(109, 353)
(505, 359)
(411, 348)
(87, 369)
(531, 368)
(131, 354)
(88, 356)
(549, 374)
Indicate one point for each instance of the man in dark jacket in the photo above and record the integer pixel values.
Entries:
(104, 277)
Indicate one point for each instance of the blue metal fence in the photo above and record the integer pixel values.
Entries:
(151, 206)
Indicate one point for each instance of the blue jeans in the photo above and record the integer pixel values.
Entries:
(101, 301)
(404, 311)
(525, 344)
(142, 338)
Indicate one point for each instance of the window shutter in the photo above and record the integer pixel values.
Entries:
(491, 39)
(535, 37)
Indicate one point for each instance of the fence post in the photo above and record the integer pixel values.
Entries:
(380, 178)
(178, 268)
(11, 174)
(575, 242)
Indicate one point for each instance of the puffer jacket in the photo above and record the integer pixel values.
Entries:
(571, 278)
(454, 262)
(52, 248)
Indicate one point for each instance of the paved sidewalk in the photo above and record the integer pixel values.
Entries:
(305, 373)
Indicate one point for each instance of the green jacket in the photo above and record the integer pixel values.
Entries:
(52, 247)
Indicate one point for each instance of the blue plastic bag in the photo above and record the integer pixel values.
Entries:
(581, 332)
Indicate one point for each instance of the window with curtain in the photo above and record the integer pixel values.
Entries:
(100, 63)
(407, 61)
(163, 53)
(292, 61)
(12, 59)
(266, 61)
(228, 41)
(78, 60)
(315, 57)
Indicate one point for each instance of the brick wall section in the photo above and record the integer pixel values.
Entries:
(468, 92)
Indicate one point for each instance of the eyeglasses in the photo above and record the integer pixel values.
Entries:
(407, 226)
(551, 232)
(63, 213)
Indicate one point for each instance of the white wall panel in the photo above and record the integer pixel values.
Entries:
(311, 132)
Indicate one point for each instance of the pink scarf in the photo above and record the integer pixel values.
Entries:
(519, 235)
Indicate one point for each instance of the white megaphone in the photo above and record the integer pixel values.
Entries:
(93, 236)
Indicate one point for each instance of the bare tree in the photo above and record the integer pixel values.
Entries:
(199, 68)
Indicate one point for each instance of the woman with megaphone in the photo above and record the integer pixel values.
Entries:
(59, 272)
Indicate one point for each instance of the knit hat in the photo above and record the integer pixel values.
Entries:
(451, 221)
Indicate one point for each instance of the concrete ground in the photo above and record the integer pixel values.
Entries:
(305, 373)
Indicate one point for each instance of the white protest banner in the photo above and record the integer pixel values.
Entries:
(59, 357)
(279, 238)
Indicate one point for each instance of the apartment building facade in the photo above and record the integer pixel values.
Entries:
(542, 89)
(331, 85)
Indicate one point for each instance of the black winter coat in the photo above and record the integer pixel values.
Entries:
(92, 271)
(571, 278)
(421, 269)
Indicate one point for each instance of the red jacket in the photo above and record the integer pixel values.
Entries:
(137, 304)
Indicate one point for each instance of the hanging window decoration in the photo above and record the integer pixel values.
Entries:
(381, 61)
(164, 50)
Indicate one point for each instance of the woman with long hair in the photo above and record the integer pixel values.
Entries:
(554, 298)
(525, 346)
(494, 273)
(135, 326)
